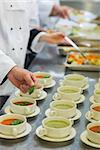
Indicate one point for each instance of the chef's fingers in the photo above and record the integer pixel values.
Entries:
(28, 79)
(24, 88)
(19, 85)
(33, 77)
(14, 81)
(65, 12)
(37, 83)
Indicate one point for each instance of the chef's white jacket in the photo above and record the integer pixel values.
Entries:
(34, 20)
(45, 8)
(15, 25)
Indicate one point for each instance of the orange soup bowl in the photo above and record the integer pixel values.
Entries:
(95, 111)
(93, 132)
(12, 124)
(44, 78)
(23, 105)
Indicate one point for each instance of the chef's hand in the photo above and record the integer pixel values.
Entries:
(22, 78)
(60, 11)
(54, 38)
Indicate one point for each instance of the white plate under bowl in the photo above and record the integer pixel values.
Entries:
(43, 95)
(26, 132)
(88, 117)
(37, 111)
(92, 100)
(76, 117)
(85, 140)
(71, 136)
(81, 100)
(85, 87)
(51, 85)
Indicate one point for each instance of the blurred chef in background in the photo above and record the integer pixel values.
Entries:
(48, 8)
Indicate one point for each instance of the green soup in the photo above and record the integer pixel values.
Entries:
(56, 124)
(98, 92)
(69, 91)
(76, 78)
(63, 106)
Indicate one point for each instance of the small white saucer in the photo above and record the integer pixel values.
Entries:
(92, 100)
(37, 111)
(51, 85)
(71, 136)
(85, 140)
(85, 87)
(88, 117)
(97, 85)
(76, 117)
(43, 95)
(81, 100)
(26, 132)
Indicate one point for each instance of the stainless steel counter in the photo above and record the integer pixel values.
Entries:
(49, 60)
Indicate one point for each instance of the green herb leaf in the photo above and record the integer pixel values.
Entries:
(31, 90)
(16, 122)
(46, 76)
(98, 131)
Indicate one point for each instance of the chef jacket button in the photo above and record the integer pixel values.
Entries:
(21, 48)
(13, 49)
(20, 28)
(11, 28)
(10, 5)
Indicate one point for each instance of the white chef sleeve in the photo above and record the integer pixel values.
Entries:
(36, 45)
(6, 64)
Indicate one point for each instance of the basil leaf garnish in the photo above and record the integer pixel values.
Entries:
(31, 90)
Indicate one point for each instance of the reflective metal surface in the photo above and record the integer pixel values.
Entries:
(49, 60)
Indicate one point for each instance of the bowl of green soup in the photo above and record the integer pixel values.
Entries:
(97, 95)
(63, 108)
(12, 124)
(22, 105)
(56, 127)
(97, 86)
(69, 93)
(75, 80)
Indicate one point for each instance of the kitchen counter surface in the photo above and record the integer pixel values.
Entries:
(49, 60)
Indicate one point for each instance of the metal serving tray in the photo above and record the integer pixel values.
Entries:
(96, 20)
(64, 50)
(89, 35)
(84, 67)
